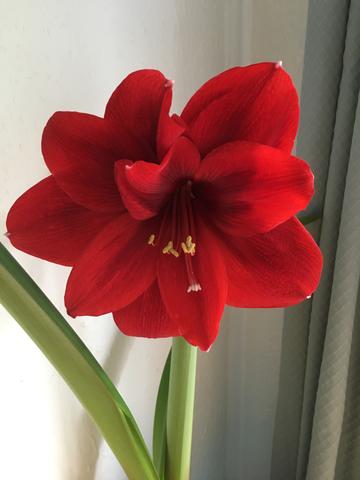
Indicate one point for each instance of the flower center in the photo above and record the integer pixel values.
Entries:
(178, 223)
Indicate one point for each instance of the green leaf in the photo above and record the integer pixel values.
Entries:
(69, 355)
(159, 432)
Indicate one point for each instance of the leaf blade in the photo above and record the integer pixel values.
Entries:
(69, 355)
(159, 431)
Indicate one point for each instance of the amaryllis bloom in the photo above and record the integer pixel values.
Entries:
(165, 219)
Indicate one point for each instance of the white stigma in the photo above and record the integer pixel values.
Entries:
(278, 64)
(7, 234)
(194, 287)
(309, 296)
(169, 83)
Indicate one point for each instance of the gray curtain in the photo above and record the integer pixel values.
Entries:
(317, 428)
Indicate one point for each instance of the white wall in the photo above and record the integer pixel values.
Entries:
(70, 55)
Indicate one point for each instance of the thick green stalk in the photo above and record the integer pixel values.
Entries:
(53, 335)
(180, 410)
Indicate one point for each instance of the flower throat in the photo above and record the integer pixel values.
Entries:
(178, 215)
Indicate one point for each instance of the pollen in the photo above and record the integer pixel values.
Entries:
(151, 240)
(170, 249)
(188, 246)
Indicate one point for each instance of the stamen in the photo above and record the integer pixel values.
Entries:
(179, 223)
(170, 249)
(151, 240)
(188, 246)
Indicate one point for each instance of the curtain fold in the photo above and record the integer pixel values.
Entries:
(317, 432)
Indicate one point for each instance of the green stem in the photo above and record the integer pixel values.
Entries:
(53, 335)
(180, 409)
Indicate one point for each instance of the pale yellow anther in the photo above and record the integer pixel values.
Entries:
(170, 249)
(188, 246)
(151, 240)
(184, 247)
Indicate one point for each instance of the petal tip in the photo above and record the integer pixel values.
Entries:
(71, 312)
(169, 83)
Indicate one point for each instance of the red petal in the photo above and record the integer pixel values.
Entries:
(276, 269)
(251, 188)
(146, 316)
(257, 103)
(80, 151)
(114, 270)
(46, 223)
(198, 314)
(145, 187)
(137, 102)
(169, 128)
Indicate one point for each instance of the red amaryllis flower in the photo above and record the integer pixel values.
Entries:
(167, 219)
